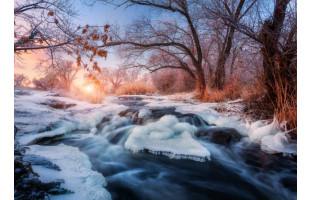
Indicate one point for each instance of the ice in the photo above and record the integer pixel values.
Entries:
(278, 143)
(75, 171)
(257, 130)
(144, 112)
(63, 128)
(169, 137)
(33, 116)
(271, 138)
(115, 123)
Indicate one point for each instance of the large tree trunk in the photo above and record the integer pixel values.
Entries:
(275, 63)
(219, 74)
(200, 83)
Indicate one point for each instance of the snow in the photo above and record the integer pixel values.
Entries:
(75, 171)
(167, 136)
(144, 112)
(278, 143)
(258, 130)
(271, 138)
(32, 117)
(64, 127)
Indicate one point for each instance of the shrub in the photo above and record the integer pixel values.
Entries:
(231, 91)
(169, 81)
(136, 88)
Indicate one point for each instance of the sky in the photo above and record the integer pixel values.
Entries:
(98, 14)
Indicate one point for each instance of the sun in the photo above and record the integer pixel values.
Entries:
(89, 88)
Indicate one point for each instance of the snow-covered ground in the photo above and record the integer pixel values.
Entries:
(42, 115)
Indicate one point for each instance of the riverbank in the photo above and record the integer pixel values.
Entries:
(129, 146)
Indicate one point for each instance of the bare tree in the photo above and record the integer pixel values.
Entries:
(48, 82)
(20, 80)
(176, 43)
(41, 24)
(60, 73)
(223, 31)
(277, 37)
(66, 72)
(47, 25)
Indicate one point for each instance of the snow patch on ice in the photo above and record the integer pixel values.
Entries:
(144, 112)
(75, 171)
(278, 143)
(63, 128)
(33, 118)
(258, 130)
(270, 137)
(169, 137)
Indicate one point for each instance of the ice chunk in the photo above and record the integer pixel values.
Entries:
(278, 143)
(63, 128)
(144, 112)
(258, 130)
(169, 137)
(75, 171)
(271, 138)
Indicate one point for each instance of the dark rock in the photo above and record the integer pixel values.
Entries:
(103, 122)
(219, 135)
(156, 114)
(39, 160)
(192, 119)
(15, 130)
(132, 101)
(58, 104)
(290, 182)
(128, 113)
(132, 98)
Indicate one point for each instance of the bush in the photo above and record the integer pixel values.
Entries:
(137, 88)
(231, 91)
(234, 90)
(169, 81)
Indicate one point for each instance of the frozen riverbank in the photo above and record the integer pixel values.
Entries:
(117, 137)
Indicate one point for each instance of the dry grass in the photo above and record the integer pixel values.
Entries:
(234, 90)
(231, 91)
(137, 88)
(252, 91)
(286, 108)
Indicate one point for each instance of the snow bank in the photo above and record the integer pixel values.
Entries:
(33, 116)
(75, 171)
(270, 137)
(169, 137)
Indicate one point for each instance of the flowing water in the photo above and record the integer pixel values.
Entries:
(238, 169)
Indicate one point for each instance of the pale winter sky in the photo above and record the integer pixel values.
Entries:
(98, 14)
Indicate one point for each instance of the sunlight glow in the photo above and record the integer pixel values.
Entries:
(89, 88)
